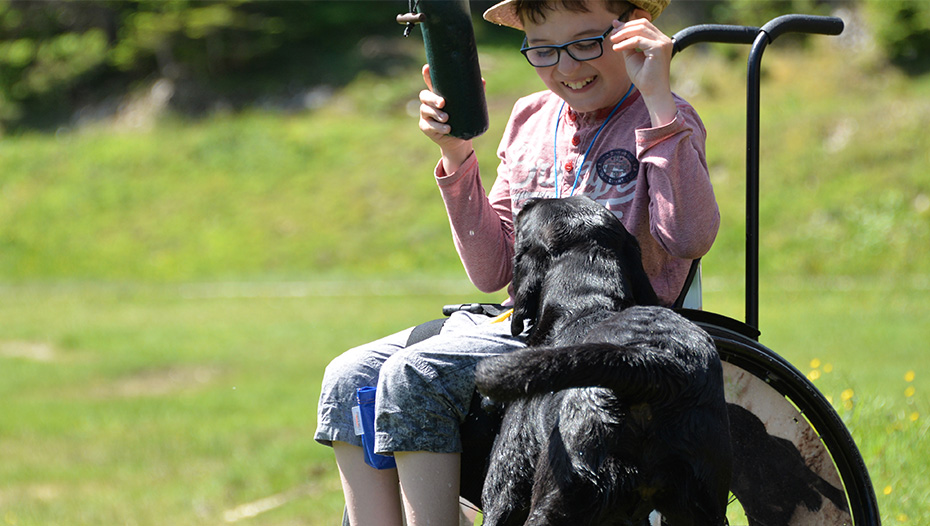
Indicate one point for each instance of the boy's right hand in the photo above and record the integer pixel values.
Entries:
(433, 124)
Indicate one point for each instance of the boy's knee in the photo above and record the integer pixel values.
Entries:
(404, 367)
(354, 367)
(340, 367)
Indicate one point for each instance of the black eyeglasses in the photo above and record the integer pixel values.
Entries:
(583, 49)
(580, 50)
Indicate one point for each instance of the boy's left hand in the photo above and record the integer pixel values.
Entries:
(647, 53)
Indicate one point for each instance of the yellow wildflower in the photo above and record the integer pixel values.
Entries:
(914, 416)
(909, 392)
(847, 395)
(828, 367)
(815, 363)
(909, 376)
(813, 375)
(887, 490)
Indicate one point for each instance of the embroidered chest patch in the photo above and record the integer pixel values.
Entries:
(617, 167)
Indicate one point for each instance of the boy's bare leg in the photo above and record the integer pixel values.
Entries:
(429, 484)
(372, 495)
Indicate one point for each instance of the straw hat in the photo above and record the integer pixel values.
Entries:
(502, 13)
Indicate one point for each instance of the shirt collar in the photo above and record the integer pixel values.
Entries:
(594, 117)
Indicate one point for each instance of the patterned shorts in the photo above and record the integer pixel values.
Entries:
(424, 391)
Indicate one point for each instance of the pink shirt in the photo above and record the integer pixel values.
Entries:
(654, 179)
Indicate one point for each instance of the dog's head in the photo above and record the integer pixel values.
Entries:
(548, 230)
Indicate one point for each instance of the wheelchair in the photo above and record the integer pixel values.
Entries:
(795, 462)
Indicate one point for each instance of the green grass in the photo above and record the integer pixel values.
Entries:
(173, 405)
(170, 295)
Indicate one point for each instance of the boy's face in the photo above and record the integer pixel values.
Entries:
(589, 85)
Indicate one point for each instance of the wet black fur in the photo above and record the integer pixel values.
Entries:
(617, 406)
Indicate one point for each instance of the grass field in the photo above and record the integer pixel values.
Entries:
(169, 295)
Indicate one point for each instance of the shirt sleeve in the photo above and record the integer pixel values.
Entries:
(684, 217)
(482, 225)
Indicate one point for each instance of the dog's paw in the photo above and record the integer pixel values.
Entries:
(482, 373)
(491, 378)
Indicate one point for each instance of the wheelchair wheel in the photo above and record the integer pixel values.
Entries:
(795, 462)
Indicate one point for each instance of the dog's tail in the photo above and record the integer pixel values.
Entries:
(633, 371)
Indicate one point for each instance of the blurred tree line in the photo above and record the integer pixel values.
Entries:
(56, 55)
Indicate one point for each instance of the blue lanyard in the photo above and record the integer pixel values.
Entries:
(555, 151)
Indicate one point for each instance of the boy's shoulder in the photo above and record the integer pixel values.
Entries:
(535, 102)
(534, 110)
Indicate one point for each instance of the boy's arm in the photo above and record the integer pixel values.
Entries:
(684, 217)
(481, 229)
(482, 226)
(683, 212)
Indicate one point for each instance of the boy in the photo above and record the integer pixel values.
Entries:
(608, 127)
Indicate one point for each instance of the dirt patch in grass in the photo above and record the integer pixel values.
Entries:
(157, 382)
(33, 351)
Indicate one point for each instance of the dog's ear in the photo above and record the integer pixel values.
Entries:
(632, 262)
(528, 205)
(528, 266)
(529, 269)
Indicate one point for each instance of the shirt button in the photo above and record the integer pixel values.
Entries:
(576, 140)
(569, 166)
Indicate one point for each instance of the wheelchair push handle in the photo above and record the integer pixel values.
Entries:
(815, 25)
(717, 33)
(731, 34)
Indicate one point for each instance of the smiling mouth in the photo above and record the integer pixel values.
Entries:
(579, 84)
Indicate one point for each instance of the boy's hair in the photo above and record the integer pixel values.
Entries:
(536, 10)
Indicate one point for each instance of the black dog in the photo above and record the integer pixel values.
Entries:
(615, 409)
